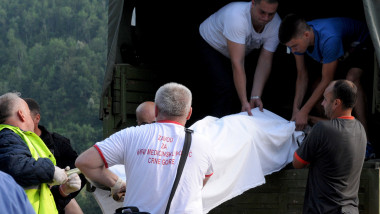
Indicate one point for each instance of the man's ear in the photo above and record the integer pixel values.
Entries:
(306, 34)
(337, 102)
(189, 115)
(21, 115)
(37, 118)
(155, 111)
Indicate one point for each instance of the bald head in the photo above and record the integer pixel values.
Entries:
(145, 113)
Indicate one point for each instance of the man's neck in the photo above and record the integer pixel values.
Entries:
(344, 113)
(312, 38)
(258, 28)
(38, 131)
(174, 119)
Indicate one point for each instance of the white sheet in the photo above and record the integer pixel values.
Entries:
(246, 149)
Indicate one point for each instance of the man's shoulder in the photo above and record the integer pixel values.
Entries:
(323, 126)
(7, 134)
(276, 21)
(237, 4)
(57, 138)
(236, 10)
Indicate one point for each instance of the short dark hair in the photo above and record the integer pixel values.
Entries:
(291, 26)
(33, 105)
(346, 91)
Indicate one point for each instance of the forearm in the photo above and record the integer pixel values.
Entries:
(92, 166)
(328, 71)
(262, 72)
(237, 55)
(240, 82)
(301, 87)
(301, 82)
(316, 96)
(26, 170)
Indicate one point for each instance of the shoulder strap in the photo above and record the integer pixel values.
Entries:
(181, 164)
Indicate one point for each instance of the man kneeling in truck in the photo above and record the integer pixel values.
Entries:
(335, 150)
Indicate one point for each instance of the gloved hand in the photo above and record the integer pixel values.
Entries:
(118, 190)
(60, 176)
(73, 184)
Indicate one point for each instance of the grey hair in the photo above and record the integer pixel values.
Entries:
(8, 103)
(173, 99)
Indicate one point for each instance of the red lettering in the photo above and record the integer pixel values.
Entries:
(163, 146)
(167, 161)
(166, 139)
(154, 160)
(141, 152)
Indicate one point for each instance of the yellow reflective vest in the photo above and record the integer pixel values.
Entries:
(40, 196)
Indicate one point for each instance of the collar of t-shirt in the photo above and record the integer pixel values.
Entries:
(169, 121)
(347, 117)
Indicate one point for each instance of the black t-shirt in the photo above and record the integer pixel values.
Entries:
(335, 150)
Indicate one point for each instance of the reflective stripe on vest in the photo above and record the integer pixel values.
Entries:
(40, 196)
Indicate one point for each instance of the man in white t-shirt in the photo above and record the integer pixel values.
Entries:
(228, 36)
(150, 154)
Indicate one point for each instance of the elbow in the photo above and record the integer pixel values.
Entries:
(79, 163)
(296, 165)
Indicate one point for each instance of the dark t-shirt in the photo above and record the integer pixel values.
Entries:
(335, 150)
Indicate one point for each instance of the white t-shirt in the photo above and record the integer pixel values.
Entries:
(150, 154)
(233, 22)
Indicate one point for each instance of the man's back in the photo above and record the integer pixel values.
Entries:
(335, 150)
(151, 155)
(335, 36)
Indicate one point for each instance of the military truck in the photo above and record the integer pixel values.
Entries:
(153, 42)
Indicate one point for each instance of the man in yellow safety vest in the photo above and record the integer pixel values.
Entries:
(26, 158)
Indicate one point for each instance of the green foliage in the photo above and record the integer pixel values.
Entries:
(87, 202)
(55, 52)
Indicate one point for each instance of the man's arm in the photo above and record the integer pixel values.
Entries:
(301, 84)
(298, 163)
(92, 166)
(237, 55)
(16, 160)
(263, 69)
(301, 117)
(205, 180)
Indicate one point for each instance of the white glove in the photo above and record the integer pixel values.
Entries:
(73, 184)
(118, 190)
(60, 176)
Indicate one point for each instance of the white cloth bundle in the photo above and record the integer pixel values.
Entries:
(246, 148)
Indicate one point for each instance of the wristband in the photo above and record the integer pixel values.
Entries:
(255, 97)
(62, 192)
